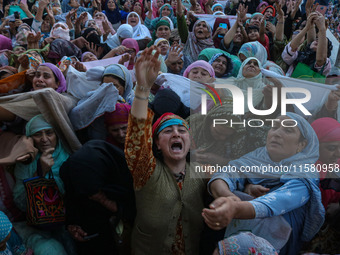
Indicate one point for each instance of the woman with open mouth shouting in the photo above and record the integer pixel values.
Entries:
(168, 198)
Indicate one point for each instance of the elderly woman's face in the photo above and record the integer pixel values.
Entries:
(256, 20)
(220, 66)
(199, 74)
(163, 47)
(89, 57)
(329, 152)
(163, 32)
(174, 142)
(284, 141)
(44, 78)
(251, 69)
(202, 31)
(45, 139)
(133, 20)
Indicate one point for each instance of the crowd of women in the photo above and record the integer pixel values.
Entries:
(104, 97)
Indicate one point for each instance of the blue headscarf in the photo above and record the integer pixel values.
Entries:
(113, 16)
(229, 70)
(123, 73)
(314, 216)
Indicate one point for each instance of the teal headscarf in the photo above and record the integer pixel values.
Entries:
(36, 124)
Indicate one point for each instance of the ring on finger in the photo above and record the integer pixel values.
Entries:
(217, 224)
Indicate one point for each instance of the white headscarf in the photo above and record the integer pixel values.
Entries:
(139, 31)
(60, 32)
(170, 22)
(124, 31)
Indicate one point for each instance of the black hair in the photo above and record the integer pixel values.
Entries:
(252, 27)
(121, 81)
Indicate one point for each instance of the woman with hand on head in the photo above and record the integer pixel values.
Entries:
(168, 198)
(51, 155)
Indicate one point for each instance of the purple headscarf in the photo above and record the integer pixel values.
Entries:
(84, 54)
(59, 75)
(5, 43)
(260, 5)
(200, 63)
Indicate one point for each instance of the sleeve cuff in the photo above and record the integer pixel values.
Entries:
(261, 210)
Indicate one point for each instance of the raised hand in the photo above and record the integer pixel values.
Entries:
(120, 50)
(106, 27)
(34, 38)
(124, 58)
(320, 21)
(46, 160)
(95, 49)
(242, 11)
(175, 54)
(147, 68)
(279, 10)
(80, 67)
(332, 100)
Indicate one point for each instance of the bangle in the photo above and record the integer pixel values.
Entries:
(141, 98)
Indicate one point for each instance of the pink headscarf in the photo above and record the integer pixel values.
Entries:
(131, 44)
(327, 129)
(200, 63)
(119, 116)
(99, 23)
(5, 43)
(260, 5)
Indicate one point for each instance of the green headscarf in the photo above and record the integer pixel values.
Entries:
(208, 53)
(154, 37)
